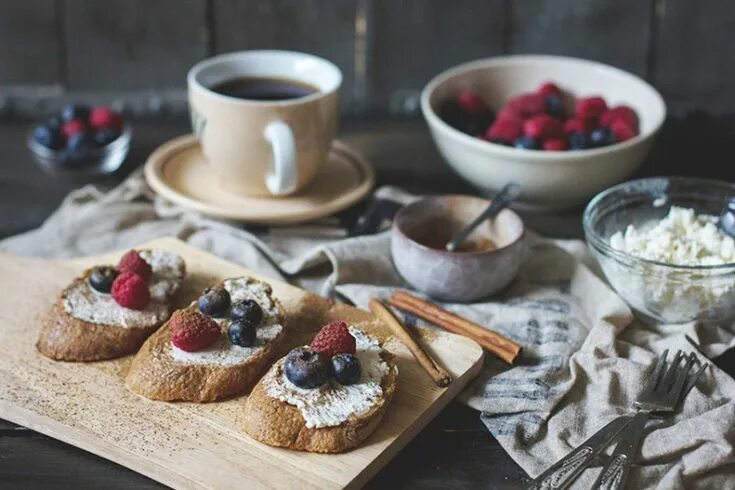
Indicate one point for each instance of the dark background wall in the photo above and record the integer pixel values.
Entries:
(135, 53)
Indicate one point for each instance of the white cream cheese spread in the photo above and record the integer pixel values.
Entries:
(683, 237)
(222, 351)
(83, 302)
(333, 403)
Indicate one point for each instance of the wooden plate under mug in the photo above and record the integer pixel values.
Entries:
(190, 445)
(178, 171)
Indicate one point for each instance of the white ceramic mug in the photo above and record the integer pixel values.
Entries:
(265, 147)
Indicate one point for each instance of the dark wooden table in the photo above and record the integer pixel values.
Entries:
(455, 450)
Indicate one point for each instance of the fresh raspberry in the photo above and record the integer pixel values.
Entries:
(105, 117)
(334, 338)
(543, 127)
(620, 112)
(528, 105)
(133, 262)
(504, 130)
(73, 127)
(590, 107)
(191, 331)
(579, 125)
(621, 130)
(555, 144)
(130, 291)
(509, 112)
(549, 88)
(471, 104)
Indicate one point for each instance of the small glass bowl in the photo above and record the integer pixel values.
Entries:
(97, 161)
(660, 292)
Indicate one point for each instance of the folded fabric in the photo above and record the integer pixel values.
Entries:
(584, 355)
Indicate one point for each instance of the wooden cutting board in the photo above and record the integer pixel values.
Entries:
(187, 445)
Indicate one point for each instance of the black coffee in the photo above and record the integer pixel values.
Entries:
(264, 88)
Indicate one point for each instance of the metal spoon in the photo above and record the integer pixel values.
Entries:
(502, 199)
(727, 218)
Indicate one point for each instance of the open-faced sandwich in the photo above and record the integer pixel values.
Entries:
(109, 311)
(215, 348)
(327, 397)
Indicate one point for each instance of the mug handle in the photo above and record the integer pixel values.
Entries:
(283, 176)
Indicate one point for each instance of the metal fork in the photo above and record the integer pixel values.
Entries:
(661, 395)
(565, 471)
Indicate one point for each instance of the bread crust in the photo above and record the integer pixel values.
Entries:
(156, 375)
(280, 424)
(66, 338)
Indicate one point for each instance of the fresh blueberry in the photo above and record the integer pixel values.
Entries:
(526, 143)
(248, 310)
(241, 332)
(214, 302)
(102, 277)
(49, 137)
(601, 137)
(306, 368)
(105, 136)
(554, 106)
(75, 111)
(54, 122)
(79, 142)
(346, 368)
(579, 141)
(78, 146)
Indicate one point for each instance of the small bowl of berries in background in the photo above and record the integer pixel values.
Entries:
(563, 128)
(81, 139)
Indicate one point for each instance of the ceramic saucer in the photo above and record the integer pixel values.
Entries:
(178, 171)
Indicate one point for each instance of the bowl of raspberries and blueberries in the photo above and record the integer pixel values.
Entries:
(93, 140)
(563, 128)
(546, 120)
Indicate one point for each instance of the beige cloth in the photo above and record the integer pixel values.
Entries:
(584, 357)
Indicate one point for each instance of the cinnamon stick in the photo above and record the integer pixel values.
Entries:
(503, 347)
(436, 372)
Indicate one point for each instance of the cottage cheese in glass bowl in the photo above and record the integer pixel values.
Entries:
(659, 246)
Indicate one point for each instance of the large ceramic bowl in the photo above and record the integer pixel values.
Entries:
(549, 179)
(661, 292)
(420, 231)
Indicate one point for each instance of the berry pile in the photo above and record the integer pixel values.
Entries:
(78, 130)
(543, 120)
(331, 353)
(127, 284)
(245, 317)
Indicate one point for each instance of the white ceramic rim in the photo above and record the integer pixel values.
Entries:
(192, 78)
(532, 155)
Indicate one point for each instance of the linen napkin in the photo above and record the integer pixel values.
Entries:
(584, 355)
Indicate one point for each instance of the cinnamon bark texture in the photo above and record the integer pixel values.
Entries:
(502, 347)
(441, 377)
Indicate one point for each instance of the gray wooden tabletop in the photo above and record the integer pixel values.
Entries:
(455, 450)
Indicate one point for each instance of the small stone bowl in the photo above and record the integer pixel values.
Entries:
(485, 264)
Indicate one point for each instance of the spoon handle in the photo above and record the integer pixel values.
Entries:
(507, 194)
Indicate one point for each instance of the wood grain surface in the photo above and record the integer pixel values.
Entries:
(189, 445)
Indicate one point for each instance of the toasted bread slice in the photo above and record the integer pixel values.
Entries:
(160, 371)
(84, 325)
(277, 422)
